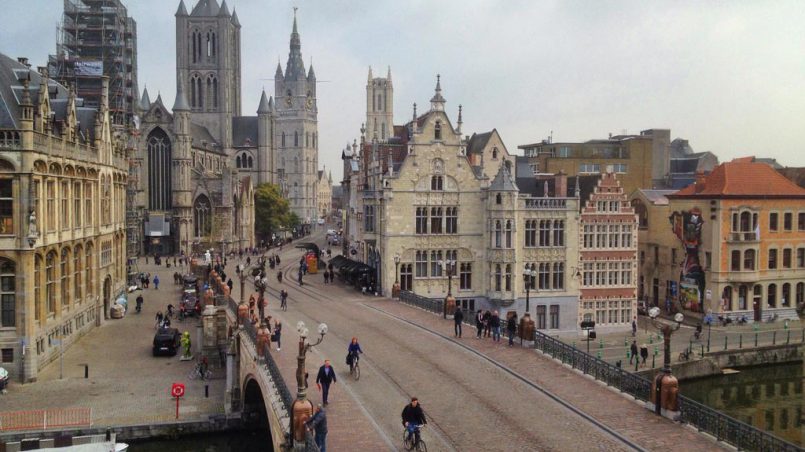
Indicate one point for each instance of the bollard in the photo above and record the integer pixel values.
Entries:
(725, 342)
(628, 354)
(636, 363)
(86, 370)
(702, 350)
(652, 360)
(774, 337)
(206, 391)
(741, 341)
(756, 339)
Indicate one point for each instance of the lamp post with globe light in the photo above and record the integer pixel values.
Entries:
(528, 276)
(665, 387)
(449, 267)
(302, 408)
(395, 289)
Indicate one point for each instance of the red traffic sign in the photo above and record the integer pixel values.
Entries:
(177, 390)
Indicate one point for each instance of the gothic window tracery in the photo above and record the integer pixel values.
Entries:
(159, 170)
(202, 219)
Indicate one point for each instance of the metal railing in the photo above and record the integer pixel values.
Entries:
(274, 373)
(45, 419)
(725, 428)
(428, 304)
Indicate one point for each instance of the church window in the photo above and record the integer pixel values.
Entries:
(251, 163)
(194, 46)
(237, 162)
(159, 170)
(209, 44)
(215, 92)
(296, 139)
(198, 45)
(202, 220)
(437, 131)
(213, 45)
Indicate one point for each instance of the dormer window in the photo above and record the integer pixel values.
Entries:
(437, 183)
(437, 131)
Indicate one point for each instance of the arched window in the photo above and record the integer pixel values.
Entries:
(494, 153)
(746, 222)
(89, 271)
(785, 298)
(295, 138)
(498, 277)
(159, 170)
(194, 46)
(213, 44)
(8, 293)
(726, 296)
(508, 277)
(771, 296)
(237, 162)
(800, 293)
(64, 275)
(749, 259)
(437, 131)
(498, 234)
(212, 92)
(436, 183)
(508, 234)
(202, 216)
(50, 282)
(195, 91)
(251, 163)
(78, 273)
(209, 45)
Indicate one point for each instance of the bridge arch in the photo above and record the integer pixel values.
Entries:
(254, 406)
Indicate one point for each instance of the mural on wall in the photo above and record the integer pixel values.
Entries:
(687, 226)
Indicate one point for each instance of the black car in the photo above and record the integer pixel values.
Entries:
(166, 341)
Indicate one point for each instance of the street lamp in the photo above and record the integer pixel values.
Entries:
(449, 267)
(302, 409)
(528, 276)
(665, 387)
(395, 289)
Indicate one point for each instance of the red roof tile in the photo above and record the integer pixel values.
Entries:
(742, 178)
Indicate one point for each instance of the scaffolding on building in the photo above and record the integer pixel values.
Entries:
(96, 38)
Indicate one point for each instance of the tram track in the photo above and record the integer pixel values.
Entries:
(441, 373)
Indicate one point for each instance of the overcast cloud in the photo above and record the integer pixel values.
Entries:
(728, 76)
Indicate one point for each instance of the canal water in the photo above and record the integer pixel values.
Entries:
(245, 441)
(767, 397)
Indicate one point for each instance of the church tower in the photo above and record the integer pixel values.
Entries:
(208, 63)
(379, 107)
(296, 132)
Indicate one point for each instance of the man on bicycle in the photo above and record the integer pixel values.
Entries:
(352, 353)
(412, 418)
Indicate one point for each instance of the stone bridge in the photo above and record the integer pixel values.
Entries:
(254, 385)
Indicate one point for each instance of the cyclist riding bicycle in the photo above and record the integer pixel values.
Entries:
(352, 353)
(413, 418)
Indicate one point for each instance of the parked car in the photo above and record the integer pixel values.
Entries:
(642, 307)
(166, 341)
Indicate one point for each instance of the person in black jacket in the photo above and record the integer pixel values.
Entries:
(487, 323)
(479, 322)
(511, 327)
(413, 417)
(494, 323)
(325, 377)
(458, 317)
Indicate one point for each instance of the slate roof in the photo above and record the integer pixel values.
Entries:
(478, 142)
(11, 93)
(656, 197)
(206, 8)
(503, 181)
(742, 179)
(200, 134)
(244, 128)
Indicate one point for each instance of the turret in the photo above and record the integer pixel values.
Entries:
(437, 101)
(265, 159)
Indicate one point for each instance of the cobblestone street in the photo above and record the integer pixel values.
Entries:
(471, 404)
(126, 384)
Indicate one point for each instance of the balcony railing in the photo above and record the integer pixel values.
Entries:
(743, 236)
(546, 203)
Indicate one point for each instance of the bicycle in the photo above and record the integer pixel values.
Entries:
(196, 373)
(414, 440)
(685, 355)
(355, 370)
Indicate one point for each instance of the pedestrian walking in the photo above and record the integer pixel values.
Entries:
(458, 317)
(634, 327)
(318, 423)
(511, 326)
(644, 353)
(487, 323)
(479, 323)
(230, 284)
(326, 276)
(156, 282)
(299, 278)
(278, 334)
(283, 300)
(324, 379)
(633, 349)
(158, 318)
(495, 324)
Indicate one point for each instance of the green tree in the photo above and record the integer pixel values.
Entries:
(271, 210)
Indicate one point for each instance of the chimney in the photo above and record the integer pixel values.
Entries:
(560, 184)
(24, 61)
(700, 180)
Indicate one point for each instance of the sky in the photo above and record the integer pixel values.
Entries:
(728, 76)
